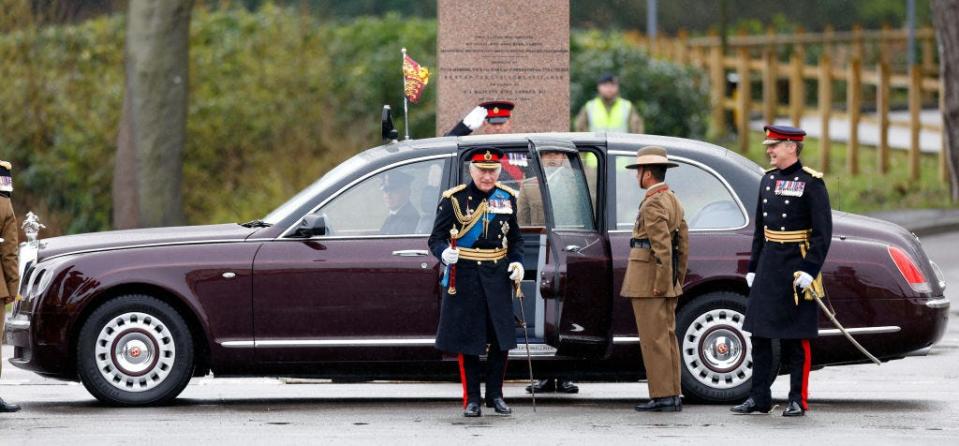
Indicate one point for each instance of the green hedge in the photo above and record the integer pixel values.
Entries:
(276, 99)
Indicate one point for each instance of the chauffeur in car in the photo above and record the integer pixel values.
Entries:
(477, 317)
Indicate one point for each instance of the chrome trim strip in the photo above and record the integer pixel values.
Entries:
(860, 330)
(709, 170)
(938, 303)
(284, 343)
(625, 339)
(17, 324)
(359, 180)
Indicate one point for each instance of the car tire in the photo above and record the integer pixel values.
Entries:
(715, 354)
(135, 350)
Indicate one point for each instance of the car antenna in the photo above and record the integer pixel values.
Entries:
(386, 124)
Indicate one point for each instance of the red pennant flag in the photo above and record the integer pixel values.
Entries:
(415, 78)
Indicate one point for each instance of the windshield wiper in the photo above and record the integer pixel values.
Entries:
(256, 224)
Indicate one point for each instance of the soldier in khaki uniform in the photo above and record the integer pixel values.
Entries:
(654, 278)
(9, 266)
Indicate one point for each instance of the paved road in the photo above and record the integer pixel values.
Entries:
(915, 400)
(930, 141)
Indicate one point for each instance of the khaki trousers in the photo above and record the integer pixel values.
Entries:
(3, 315)
(656, 324)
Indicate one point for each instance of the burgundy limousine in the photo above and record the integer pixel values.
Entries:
(338, 283)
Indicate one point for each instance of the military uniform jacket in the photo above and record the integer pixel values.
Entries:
(481, 311)
(9, 249)
(790, 199)
(660, 216)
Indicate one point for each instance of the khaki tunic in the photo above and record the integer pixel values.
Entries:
(9, 262)
(660, 214)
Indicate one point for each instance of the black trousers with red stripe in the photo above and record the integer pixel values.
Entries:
(471, 371)
(796, 356)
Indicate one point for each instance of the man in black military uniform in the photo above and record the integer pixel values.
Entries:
(477, 317)
(793, 231)
(493, 117)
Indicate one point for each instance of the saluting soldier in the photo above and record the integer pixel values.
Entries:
(656, 270)
(493, 117)
(793, 231)
(9, 258)
(477, 317)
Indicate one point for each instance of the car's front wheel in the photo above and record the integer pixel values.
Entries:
(716, 354)
(135, 350)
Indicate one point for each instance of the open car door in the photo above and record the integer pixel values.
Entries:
(576, 280)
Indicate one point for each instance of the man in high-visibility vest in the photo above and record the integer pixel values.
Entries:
(608, 112)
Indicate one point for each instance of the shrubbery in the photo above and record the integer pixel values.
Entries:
(276, 99)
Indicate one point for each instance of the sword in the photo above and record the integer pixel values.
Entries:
(832, 318)
(529, 358)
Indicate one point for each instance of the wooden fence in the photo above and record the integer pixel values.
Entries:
(855, 59)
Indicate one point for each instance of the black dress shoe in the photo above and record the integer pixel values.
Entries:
(664, 404)
(499, 405)
(566, 386)
(472, 410)
(6, 407)
(794, 409)
(542, 386)
(749, 406)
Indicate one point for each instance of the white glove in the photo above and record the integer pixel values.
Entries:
(750, 277)
(475, 118)
(803, 280)
(450, 256)
(516, 271)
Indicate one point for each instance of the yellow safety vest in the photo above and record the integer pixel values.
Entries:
(616, 119)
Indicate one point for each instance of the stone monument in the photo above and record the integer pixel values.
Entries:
(504, 50)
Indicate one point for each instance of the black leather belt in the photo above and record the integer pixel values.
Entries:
(640, 243)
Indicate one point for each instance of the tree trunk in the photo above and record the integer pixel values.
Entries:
(945, 17)
(152, 132)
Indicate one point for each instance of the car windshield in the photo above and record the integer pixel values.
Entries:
(305, 195)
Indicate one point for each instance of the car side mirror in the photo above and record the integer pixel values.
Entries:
(311, 225)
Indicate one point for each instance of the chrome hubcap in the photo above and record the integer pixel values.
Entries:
(716, 352)
(135, 352)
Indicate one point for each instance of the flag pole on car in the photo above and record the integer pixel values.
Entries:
(415, 79)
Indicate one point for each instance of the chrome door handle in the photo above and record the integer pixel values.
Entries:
(572, 248)
(411, 253)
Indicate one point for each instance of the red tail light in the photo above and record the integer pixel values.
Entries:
(907, 267)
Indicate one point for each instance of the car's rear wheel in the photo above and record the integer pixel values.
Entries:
(135, 350)
(716, 354)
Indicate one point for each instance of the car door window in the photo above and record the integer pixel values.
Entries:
(708, 203)
(398, 201)
(517, 173)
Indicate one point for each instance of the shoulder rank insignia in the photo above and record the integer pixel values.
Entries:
(508, 189)
(6, 165)
(814, 173)
(770, 169)
(449, 192)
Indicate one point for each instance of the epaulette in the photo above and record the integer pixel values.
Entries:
(771, 169)
(508, 189)
(814, 173)
(449, 192)
(6, 165)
